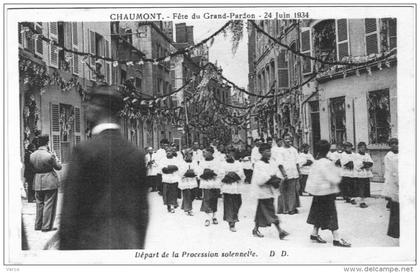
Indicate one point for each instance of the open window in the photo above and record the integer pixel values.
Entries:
(324, 42)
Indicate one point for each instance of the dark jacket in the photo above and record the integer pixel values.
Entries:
(44, 165)
(105, 196)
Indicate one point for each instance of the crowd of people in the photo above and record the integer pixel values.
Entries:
(106, 185)
(275, 170)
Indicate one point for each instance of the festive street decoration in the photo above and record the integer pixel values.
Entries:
(37, 76)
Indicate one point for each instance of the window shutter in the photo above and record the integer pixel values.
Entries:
(39, 50)
(75, 39)
(77, 135)
(371, 33)
(306, 48)
(55, 129)
(92, 50)
(28, 41)
(53, 47)
(392, 25)
(75, 46)
(342, 37)
(108, 67)
(20, 34)
(283, 69)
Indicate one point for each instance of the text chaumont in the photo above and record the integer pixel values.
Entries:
(135, 16)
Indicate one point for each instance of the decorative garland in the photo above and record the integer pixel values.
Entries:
(37, 35)
(36, 75)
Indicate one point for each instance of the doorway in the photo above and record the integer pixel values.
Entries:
(315, 126)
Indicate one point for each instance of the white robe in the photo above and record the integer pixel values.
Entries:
(391, 185)
(302, 159)
(188, 182)
(171, 177)
(236, 187)
(346, 158)
(358, 164)
(215, 182)
(323, 179)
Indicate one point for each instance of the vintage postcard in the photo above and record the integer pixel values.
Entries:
(210, 134)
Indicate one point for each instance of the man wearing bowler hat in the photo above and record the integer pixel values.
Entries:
(105, 192)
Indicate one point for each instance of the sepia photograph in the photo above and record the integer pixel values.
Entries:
(210, 135)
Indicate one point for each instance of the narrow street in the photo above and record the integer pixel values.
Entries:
(178, 231)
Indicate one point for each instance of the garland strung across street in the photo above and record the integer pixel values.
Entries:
(27, 27)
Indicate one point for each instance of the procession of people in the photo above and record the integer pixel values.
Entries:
(279, 174)
(106, 188)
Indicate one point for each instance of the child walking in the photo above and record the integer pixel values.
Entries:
(391, 188)
(232, 181)
(323, 183)
(347, 164)
(210, 183)
(188, 183)
(305, 160)
(170, 178)
(266, 180)
(363, 173)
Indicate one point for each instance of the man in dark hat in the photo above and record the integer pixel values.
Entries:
(105, 192)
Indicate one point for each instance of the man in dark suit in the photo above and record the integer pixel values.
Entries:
(105, 192)
(45, 182)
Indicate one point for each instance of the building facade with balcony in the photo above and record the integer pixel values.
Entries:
(357, 103)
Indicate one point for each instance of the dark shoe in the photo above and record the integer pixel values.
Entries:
(51, 229)
(283, 234)
(363, 205)
(215, 222)
(348, 200)
(353, 202)
(257, 233)
(295, 211)
(341, 243)
(37, 228)
(207, 223)
(318, 239)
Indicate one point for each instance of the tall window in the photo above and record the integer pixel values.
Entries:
(65, 129)
(338, 119)
(379, 116)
